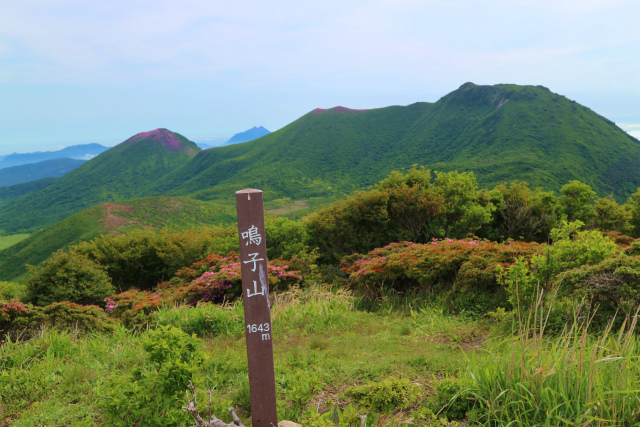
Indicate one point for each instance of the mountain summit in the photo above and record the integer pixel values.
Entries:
(502, 133)
(166, 139)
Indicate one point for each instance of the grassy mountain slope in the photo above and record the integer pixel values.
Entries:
(34, 171)
(509, 132)
(8, 193)
(323, 154)
(502, 133)
(157, 212)
(120, 173)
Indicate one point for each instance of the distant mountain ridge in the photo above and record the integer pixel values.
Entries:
(80, 152)
(33, 171)
(248, 135)
(502, 133)
(123, 172)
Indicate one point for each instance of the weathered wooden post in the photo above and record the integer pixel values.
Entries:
(257, 308)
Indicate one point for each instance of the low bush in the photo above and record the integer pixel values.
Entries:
(68, 276)
(11, 291)
(453, 397)
(153, 394)
(464, 270)
(579, 264)
(21, 321)
(386, 395)
(223, 281)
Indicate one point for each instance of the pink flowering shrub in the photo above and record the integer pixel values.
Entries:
(447, 266)
(11, 310)
(20, 321)
(223, 281)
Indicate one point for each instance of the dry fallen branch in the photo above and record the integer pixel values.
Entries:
(192, 408)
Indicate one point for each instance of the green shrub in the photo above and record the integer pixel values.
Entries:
(453, 397)
(466, 271)
(523, 214)
(68, 276)
(153, 394)
(19, 320)
(613, 285)
(546, 272)
(386, 395)
(400, 208)
(11, 291)
(285, 238)
(143, 258)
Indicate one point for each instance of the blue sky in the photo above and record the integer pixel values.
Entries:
(74, 72)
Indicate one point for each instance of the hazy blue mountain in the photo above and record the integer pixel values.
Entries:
(212, 142)
(248, 135)
(34, 171)
(79, 152)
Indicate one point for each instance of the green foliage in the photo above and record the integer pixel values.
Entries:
(522, 214)
(119, 218)
(453, 397)
(144, 258)
(610, 216)
(153, 394)
(285, 238)
(612, 285)
(575, 379)
(577, 202)
(386, 395)
(402, 207)
(633, 208)
(466, 209)
(68, 276)
(465, 270)
(296, 386)
(11, 291)
(571, 249)
(21, 321)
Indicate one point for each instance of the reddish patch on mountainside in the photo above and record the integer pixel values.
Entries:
(112, 218)
(164, 137)
(338, 109)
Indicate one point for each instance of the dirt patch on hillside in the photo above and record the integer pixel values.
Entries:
(113, 219)
(295, 206)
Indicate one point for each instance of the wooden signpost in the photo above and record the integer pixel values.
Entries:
(257, 308)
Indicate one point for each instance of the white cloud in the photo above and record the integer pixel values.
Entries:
(632, 129)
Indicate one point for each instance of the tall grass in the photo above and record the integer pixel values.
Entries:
(204, 320)
(576, 379)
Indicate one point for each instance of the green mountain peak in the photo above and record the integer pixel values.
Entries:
(169, 141)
